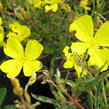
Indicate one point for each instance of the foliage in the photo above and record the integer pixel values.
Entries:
(63, 43)
(3, 92)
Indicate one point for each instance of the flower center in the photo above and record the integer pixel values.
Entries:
(23, 59)
(91, 43)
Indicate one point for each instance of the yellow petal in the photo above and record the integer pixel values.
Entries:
(12, 67)
(69, 58)
(15, 27)
(23, 33)
(83, 27)
(19, 31)
(102, 35)
(56, 1)
(84, 4)
(1, 36)
(31, 66)
(66, 52)
(33, 50)
(79, 47)
(99, 57)
(69, 63)
(37, 3)
(0, 20)
(13, 48)
(79, 71)
(12, 34)
(53, 1)
(52, 7)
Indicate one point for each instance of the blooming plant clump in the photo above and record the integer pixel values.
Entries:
(84, 32)
(60, 46)
(51, 5)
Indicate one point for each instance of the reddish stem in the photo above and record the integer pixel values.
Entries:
(76, 103)
(9, 13)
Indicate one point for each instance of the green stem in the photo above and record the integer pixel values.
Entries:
(104, 93)
(97, 96)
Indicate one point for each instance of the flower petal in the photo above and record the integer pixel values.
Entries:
(79, 47)
(31, 66)
(53, 1)
(66, 52)
(12, 67)
(79, 71)
(13, 48)
(1, 21)
(12, 34)
(18, 31)
(99, 57)
(69, 63)
(33, 49)
(69, 58)
(83, 27)
(102, 35)
(15, 26)
(37, 3)
(1, 36)
(53, 7)
(23, 33)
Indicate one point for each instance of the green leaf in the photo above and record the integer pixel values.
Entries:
(3, 92)
(97, 96)
(66, 106)
(104, 94)
(58, 95)
(9, 107)
(27, 97)
(70, 83)
(45, 99)
(91, 83)
(58, 76)
(56, 103)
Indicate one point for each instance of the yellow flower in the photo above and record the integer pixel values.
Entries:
(84, 4)
(52, 5)
(1, 33)
(20, 59)
(84, 32)
(18, 31)
(72, 62)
